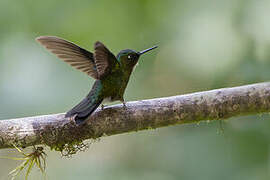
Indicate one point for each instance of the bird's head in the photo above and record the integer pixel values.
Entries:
(129, 57)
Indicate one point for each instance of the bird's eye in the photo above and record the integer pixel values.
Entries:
(129, 57)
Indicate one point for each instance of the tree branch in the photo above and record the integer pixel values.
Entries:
(55, 129)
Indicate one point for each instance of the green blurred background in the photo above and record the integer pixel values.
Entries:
(203, 44)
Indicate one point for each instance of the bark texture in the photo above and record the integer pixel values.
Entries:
(55, 129)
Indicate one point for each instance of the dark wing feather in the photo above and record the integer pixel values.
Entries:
(69, 52)
(104, 59)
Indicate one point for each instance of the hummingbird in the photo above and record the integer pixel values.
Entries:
(111, 73)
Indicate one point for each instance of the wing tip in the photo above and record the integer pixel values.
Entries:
(45, 38)
(39, 38)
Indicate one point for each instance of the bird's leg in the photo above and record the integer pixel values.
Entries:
(102, 106)
(124, 103)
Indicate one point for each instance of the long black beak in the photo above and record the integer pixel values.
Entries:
(146, 50)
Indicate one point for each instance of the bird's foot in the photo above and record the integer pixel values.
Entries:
(124, 104)
(102, 106)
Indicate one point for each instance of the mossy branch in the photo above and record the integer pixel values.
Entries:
(56, 131)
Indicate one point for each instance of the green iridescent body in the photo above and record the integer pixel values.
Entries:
(111, 73)
(114, 86)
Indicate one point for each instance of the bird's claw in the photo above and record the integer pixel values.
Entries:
(124, 104)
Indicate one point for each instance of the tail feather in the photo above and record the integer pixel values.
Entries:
(84, 109)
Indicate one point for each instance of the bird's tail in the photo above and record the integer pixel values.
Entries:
(85, 108)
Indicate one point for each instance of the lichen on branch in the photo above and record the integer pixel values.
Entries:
(59, 132)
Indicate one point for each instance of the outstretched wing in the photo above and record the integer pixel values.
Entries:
(69, 52)
(105, 60)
